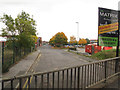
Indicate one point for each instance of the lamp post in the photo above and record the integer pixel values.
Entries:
(77, 34)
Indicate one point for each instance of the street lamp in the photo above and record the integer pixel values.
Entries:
(77, 34)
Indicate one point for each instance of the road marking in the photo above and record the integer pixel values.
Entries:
(30, 81)
(25, 83)
(80, 59)
(29, 69)
(32, 72)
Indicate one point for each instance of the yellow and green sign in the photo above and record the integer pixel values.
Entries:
(108, 27)
(108, 41)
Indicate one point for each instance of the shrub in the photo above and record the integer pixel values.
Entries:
(105, 54)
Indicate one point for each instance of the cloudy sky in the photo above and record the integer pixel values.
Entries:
(54, 16)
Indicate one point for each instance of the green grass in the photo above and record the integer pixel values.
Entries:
(105, 54)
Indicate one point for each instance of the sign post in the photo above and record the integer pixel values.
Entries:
(108, 30)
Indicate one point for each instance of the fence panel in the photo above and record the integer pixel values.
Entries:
(82, 76)
(11, 53)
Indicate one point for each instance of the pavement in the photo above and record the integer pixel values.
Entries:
(22, 66)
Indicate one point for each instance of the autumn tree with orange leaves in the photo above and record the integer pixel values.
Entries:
(73, 40)
(59, 39)
(82, 41)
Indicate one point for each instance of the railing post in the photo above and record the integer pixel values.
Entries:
(105, 70)
(20, 84)
(13, 51)
(116, 65)
(35, 81)
(2, 53)
(78, 77)
(2, 85)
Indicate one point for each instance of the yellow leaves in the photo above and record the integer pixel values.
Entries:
(82, 41)
(73, 40)
(34, 38)
(58, 38)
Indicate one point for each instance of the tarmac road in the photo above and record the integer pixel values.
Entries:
(57, 59)
(52, 59)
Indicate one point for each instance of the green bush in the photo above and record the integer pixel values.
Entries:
(105, 54)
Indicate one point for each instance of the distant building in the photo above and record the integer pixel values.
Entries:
(39, 41)
(3, 39)
(93, 41)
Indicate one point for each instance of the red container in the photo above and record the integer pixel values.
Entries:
(97, 48)
(88, 49)
(107, 48)
(92, 48)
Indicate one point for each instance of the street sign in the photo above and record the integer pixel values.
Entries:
(108, 27)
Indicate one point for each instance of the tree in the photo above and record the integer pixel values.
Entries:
(20, 29)
(59, 39)
(9, 30)
(73, 40)
(82, 41)
(52, 41)
(24, 23)
(88, 41)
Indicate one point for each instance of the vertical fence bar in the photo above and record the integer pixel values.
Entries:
(102, 71)
(75, 78)
(63, 79)
(111, 69)
(98, 70)
(58, 79)
(84, 78)
(95, 72)
(29, 82)
(105, 63)
(42, 81)
(20, 84)
(67, 78)
(47, 81)
(13, 51)
(2, 84)
(88, 76)
(35, 81)
(71, 79)
(53, 80)
(2, 53)
(90, 73)
(11, 84)
(116, 65)
(78, 77)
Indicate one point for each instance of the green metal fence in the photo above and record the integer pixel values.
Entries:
(11, 53)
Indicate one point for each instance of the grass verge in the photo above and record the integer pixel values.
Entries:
(105, 54)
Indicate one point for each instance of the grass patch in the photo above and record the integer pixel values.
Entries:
(105, 54)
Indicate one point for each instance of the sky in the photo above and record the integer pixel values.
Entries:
(54, 16)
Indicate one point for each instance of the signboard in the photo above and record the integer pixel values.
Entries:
(108, 27)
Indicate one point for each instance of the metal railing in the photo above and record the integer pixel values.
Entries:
(83, 76)
(12, 53)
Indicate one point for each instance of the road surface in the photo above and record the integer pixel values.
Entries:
(57, 59)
